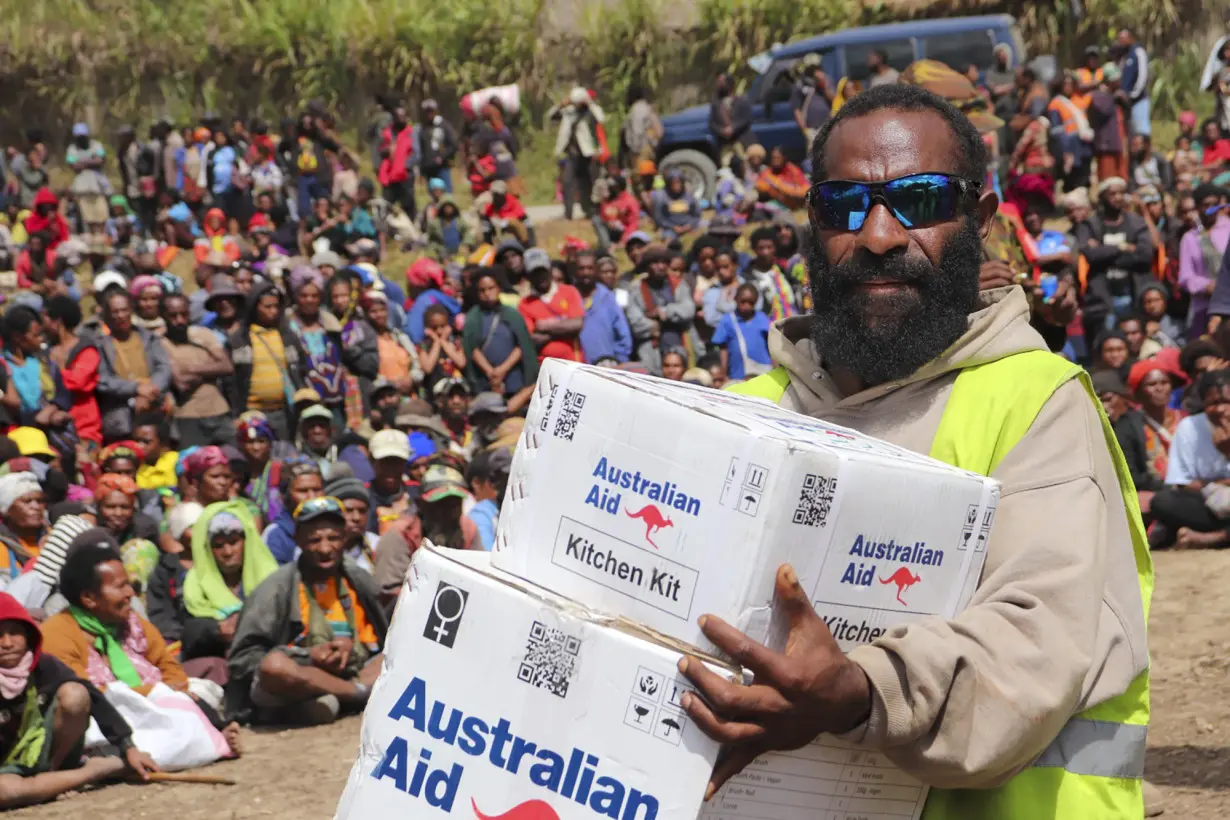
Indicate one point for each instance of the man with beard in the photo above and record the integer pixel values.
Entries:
(198, 361)
(605, 333)
(660, 310)
(1034, 700)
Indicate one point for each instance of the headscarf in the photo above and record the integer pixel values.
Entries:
(305, 275)
(425, 273)
(206, 594)
(122, 449)
(1141, 369)
(141, 283)
(182, 461)
(13, 486)
(203, 459)
(115, 483)
(253, 426)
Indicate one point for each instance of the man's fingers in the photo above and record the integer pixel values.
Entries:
(793, 600)
(764, 662)
(729, 698)
(717, 727)
(733, 760)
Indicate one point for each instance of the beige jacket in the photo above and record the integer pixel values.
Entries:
(1056, 624)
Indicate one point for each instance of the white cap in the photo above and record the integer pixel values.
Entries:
(183, 516)
(108, 278)
(578, 96)
(389, 444)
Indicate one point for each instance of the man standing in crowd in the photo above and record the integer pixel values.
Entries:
(198, 362)
(1135, 81)
(811, 99)
(879, 72)
(901, 345)
(268, 360)
(1119, 251)
(1201, 253)
(554, 312)
(134, 371)
(730, 120)
(580, 144)
(604, 333)
(437, 146)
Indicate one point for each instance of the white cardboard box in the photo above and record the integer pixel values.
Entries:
(659, 502)
(501, 700)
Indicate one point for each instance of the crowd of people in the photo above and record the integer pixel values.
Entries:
(217, 486)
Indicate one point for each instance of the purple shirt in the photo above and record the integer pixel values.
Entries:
(1194, 275)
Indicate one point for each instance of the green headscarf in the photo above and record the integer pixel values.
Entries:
(206, 594)
(108, 645)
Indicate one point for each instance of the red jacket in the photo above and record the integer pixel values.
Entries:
(394, 167)
(80, 377)
(625, 210)
(513, 209)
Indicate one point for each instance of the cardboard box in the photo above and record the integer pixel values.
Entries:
(660, 502)
(502, 700)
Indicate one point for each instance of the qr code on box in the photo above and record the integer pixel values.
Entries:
(569, 415)
(815, 500)
(546, 411)
(550, 655)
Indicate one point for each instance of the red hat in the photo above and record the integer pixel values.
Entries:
(11, 610)
(1146, 366)
(425, 273)
(259, 222)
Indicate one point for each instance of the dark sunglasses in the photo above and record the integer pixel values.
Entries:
(916, 200)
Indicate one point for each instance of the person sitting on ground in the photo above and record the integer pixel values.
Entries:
(1192, 512)
(310, 638)
(676, 212)
(743, 336)
(23, 507)
(1160, 326)
(300, 479)
(316, 436)
(229, 560)
(1129, 426)
(134, 531)
(164, 594)
(619, 213)
(448, 233)
(505, 215)
(781, 185)
(157, 470)
(360, 544)
(45, 710)
(209, 474)
(488, 480)
(439, 520)
(102, 639)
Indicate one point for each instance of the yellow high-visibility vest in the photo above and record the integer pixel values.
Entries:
(1094, 768)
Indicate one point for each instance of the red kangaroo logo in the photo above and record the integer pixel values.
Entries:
(652, 518)
(904, 579)
(529, 810)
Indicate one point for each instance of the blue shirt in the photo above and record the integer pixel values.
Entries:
(485, 514)
(755, 332)
(605, 333)
(1192, 454)
(414, 319)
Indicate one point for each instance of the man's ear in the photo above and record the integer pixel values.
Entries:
(988, 204)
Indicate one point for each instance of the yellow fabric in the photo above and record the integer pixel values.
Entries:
(160, 474)
(329, 602)
(266, 391)
(990, 409)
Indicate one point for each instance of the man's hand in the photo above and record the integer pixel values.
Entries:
(810, 688)
(147, 391)
(344, 648)
(140, 763)
(324, 656)
(226, 627)
(1061, 308)
(995, 274)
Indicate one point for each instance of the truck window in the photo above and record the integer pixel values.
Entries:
(961, 48)
(900, 54)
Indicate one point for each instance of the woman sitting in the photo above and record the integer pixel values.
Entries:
(228, 561)
(781, 185)
(44, 712)
(101, 638)
(23, 507)
(135, 532)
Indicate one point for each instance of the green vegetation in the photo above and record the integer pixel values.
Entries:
(111, 61)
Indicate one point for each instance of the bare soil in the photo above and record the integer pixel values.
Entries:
(301, 773)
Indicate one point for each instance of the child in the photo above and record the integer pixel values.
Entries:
(1185, 160)
(744, 337)
(440, 355)
(46, 710)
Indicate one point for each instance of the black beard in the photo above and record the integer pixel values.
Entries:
(178, 334)
(925, 320)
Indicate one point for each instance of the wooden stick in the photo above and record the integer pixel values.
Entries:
(189, 777)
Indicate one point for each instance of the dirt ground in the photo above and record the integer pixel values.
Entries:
(301, 773)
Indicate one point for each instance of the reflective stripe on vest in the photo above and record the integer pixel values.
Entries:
(1093, 768)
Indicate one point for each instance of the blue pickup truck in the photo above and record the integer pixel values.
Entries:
(688, 147)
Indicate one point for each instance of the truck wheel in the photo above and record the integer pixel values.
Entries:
(698, 171)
